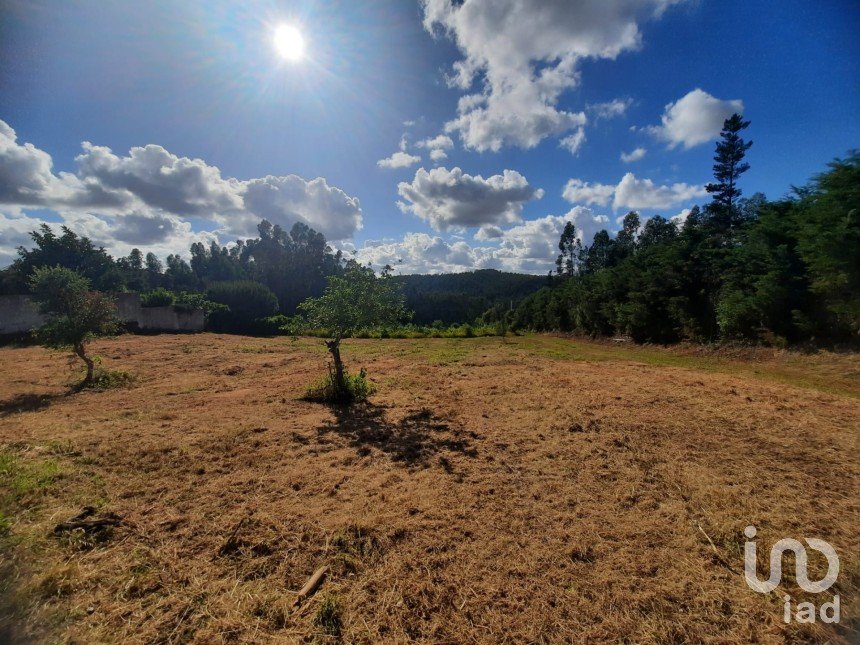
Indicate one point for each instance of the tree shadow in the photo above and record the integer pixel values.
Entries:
(26, 403)
(411, 441)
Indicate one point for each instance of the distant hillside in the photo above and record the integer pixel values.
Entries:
(462, 297)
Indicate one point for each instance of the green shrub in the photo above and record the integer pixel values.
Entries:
(189, 300)
(358, 388)
(109, 379)
(248, 302)
(160, 297)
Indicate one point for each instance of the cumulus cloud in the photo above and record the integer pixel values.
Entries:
(438, 155)
(525, 54)
(421, 253)
(163, 235)
(451, 198)
(610, 109)
(644, 193)
(578, 191)
(633, 155)
(146, 196)
(399, 159)
(441, 142)
(489, 232)
(529, 247)
(159, 179)
(631, 193)
(695, 118)
(289, 199)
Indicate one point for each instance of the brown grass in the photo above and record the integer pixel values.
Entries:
(532, 489)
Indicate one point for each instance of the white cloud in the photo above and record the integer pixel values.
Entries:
(290, 199)
(587, 223)
(578, 191)
(529, 247)
(146, 196)
(644, 193)
(25, 171)
(452, 198)
(695, 118)
(631, 193)
(399, 159)
(572, 143)
(525, 54)
(610, 109)
(440, 142)
(633, 155)
(681, 217)
(118, 234)
(438, 155)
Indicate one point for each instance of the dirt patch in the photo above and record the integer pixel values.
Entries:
(528, 489)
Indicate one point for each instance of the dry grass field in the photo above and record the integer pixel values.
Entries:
(530, 489)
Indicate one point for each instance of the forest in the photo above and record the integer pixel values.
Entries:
(738, 268)
(775, 272)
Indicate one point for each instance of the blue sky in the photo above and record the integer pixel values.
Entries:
(559, 91)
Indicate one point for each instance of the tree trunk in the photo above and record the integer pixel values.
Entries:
(339, 379)
(79, 350)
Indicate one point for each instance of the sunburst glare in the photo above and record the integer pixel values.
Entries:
(289, 42)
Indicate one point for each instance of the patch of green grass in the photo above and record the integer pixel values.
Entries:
(5, 525)
(328, 617)
(24, 481)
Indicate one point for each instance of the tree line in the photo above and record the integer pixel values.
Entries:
(749, 269)
(256, 278)
(778, 272)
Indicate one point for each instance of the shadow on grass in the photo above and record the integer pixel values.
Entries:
(411, 441)
(27, 403)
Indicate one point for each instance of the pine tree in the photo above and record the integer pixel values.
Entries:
(728, 167)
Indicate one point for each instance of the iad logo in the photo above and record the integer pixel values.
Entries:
(805, 613)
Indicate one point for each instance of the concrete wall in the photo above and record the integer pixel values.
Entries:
(18, 315)
(169, 318)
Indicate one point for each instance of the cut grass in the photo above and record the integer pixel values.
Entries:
(526, 489)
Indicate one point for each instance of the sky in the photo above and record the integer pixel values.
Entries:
(434, 135)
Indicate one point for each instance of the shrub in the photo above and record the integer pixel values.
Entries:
(356, 388)
(248, 302)
(160, 297)
(109, 379)
(281, 324)
(188, 301)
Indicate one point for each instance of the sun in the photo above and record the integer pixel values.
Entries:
(289, 42)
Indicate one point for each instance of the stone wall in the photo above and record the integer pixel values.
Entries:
(18, 315)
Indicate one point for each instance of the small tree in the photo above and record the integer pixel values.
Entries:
(76, 314)
(352, 301)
